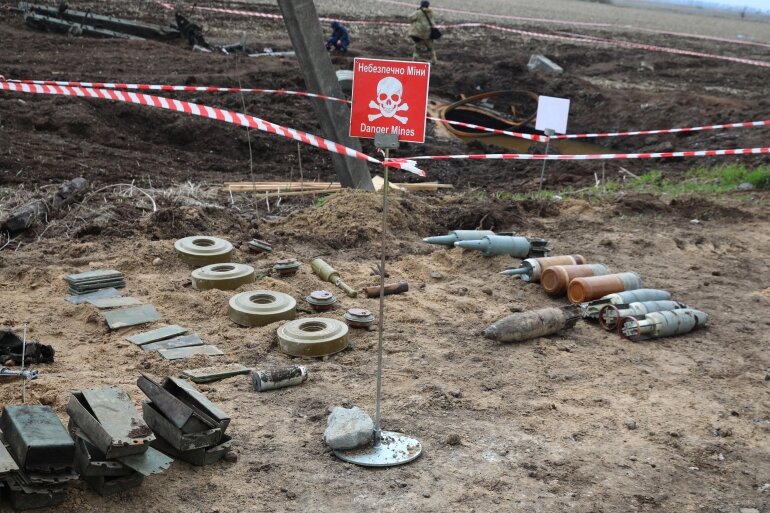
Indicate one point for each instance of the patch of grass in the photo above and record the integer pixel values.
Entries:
(700, 180)
(320, 201)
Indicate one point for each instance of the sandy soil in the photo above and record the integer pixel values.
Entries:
(543, 425)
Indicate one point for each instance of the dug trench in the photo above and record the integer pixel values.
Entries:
(582, 421)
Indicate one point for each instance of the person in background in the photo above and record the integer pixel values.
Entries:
(420, 29)
(340, 39)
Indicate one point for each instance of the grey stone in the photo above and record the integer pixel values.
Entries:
(631, 424)
(539, 62)
(348, 428)
(749, 510)
(745, 186)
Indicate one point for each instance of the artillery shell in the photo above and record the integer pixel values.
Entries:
(589, 288)
(533, 324)
(556, 278)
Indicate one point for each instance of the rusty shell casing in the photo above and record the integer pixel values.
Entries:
(391, 288)
(589, 288)
(283, 377)
(556, 278)
(610, 315)
(662, 324)
(533, 324)
(531, 269)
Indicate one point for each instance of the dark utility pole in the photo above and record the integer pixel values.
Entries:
(304, 28)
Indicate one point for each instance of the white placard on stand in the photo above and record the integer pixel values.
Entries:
(552, 114)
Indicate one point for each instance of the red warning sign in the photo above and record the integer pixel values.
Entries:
(389, 97)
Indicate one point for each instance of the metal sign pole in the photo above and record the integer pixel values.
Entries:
(388, 448)
(549, 133)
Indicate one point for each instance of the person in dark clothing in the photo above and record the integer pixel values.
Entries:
(340, 39)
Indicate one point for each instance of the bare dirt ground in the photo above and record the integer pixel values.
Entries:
(542, 426)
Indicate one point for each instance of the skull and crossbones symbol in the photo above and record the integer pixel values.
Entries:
(389, 95)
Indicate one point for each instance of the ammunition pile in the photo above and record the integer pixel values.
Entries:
(186, 424)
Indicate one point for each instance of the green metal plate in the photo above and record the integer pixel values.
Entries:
(130, 316)
(113, 302)
(209, 374)
(170, 343)
(187, 352)
(158, 334)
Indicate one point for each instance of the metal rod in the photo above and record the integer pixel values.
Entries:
(23, 357)
(377, 430)
(542, 172)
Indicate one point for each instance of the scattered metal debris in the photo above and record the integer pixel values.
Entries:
(328, 273)
(278, 378)
(5, 372)
(202, 250)
(321, 300)
(359, 318)
(124, 317)
(391, 288)
(261, 307)
(533, 324)
(539, 62)
(313, 336)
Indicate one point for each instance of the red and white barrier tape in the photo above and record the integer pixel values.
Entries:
(595, 156)
(153, 87)
(665, 131)
(528, 33)
(195, 109)
(520, 135)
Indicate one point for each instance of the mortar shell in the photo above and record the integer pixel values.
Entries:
(581, 290)
(555, 279)
(261, 307)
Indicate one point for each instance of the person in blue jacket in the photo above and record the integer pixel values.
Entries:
(340, 39)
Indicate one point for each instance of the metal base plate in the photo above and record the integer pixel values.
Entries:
(394, 449)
